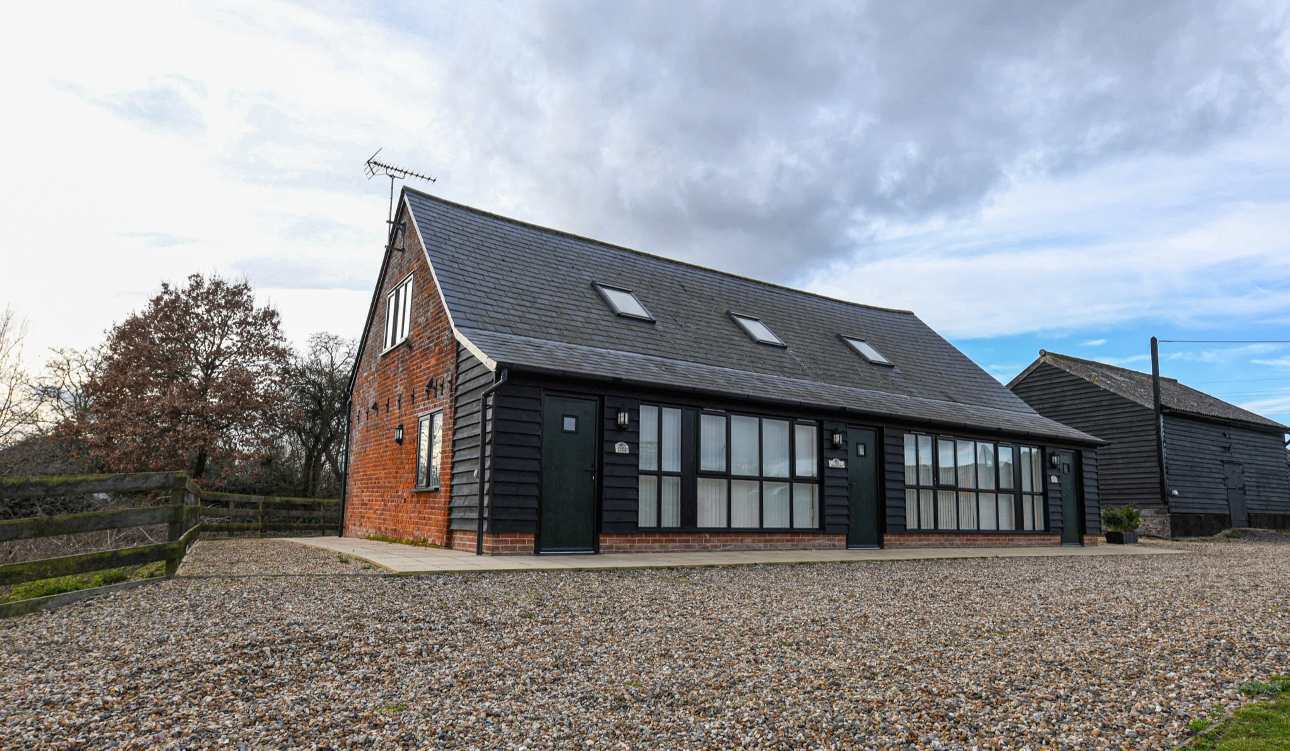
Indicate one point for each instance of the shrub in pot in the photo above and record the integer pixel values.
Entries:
(1121, 524)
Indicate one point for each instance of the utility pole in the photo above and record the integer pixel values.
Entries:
(1160, 422)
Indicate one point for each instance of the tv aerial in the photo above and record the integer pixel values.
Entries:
(372, 167)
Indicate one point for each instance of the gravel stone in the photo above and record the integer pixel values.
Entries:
(1018, 653)
(253, 556)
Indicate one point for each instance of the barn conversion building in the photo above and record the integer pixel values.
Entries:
(634, 403)
(1224, 466)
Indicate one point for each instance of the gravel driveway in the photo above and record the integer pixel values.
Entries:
(989, 653)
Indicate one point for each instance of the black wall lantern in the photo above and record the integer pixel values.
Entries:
(624, 419)
(398, 434)
(837, 440)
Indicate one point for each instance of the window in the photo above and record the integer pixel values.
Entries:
(429, 450)
(773, 476)
(866, 350)
(959, 484)
(660, 467)
(398, 313)
(624, 302)
(758, 331)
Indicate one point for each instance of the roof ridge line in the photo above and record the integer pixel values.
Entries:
(624, 248)
(1046, 353)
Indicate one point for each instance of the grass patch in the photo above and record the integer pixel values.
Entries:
(392, 708)
(77, 582)
(418, 542)
(1257, 726)
(1233, 535)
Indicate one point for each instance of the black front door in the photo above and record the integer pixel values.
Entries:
(1071, 512)
(1234, 478)
(568, 475)
(864, 530)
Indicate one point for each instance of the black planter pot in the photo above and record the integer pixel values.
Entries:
(1121, 538)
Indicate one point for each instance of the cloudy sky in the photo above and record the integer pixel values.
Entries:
(1075, 176)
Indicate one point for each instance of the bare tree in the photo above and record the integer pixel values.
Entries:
(319, 386)
(198, 377)
(18, 411)
(62, 389)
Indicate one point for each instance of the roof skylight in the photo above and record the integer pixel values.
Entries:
(757, 331)
(867, 351)
(624, 302)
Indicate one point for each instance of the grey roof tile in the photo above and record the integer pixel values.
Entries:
(513, 285)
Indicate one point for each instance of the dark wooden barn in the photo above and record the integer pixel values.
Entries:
(638, 403)
(1224, 466)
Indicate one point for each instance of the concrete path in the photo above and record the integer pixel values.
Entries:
(411, 559)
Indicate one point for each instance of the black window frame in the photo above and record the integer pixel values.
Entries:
(659, 473)
(1019, 495)
(692, 471)
(736, 317)
(420, 480)
(850, 341)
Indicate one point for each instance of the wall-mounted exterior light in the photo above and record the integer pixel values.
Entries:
(624, 419)
(837, 440)
(398, 434)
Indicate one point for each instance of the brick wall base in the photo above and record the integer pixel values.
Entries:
(669, 542)
(932, 540)
(499, 543)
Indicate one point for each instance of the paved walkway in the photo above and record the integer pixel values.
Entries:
(411, 559)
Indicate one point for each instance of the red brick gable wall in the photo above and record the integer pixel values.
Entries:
(394, 388)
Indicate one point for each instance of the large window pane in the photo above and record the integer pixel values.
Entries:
(924, 460)
(647, 501)
(1037, 468)
(911, 460)
(670, 447)
(649, 437)
(670, 502)
(1027, 513)
(985, 466)
(775, 505)
(911, 508)
(423, 451)
(946, 510)
(745, 436)
(774, 448)
(1007, 512)
(989, 512)
(745, 503)
(967, 464)
(712, 502)
(1006, 481)
(712, 443)
(967, 511)
(805, 504)
(1027, 481)
(805, 451)
(945, 461)
(926, 514)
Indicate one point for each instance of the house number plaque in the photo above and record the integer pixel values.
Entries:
(837, 464)
(622, 448)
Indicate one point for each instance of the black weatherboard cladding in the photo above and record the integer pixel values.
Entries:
(472, 379)
(525, 297)
(1194, 456)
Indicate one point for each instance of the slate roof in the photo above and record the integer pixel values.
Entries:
(1136, 386)
(524, 296)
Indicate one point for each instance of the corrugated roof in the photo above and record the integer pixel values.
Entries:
(525, 295)
(1136, 386)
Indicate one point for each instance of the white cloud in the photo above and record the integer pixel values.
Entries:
(1093, 343)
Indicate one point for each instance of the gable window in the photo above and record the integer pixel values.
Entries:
(398, 313)
(866, 350)
(757, 330)
(959, 484)
(624, 302)
(429, 450)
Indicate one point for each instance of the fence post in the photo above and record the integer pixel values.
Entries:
(175, 529)
(261, 517)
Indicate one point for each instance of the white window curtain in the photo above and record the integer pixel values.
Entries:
(805, 451)
(774, 448)
(647, 502)
(805, 506)
(670, 446)
(745, 504)
(775, 505)
(744, 452)
(649, 437)
(670, 502)
(712, 443)
(711, 502)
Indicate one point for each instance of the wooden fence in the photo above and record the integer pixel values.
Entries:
(184, 516)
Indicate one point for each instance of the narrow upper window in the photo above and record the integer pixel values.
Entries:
(758, 331)
(867, 351)
(624, 302)
(398, 313)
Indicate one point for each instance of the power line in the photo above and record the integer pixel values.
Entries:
(1225, 341)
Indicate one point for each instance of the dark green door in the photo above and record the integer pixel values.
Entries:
(568, 475)
(1071, 512)
(864, 530)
